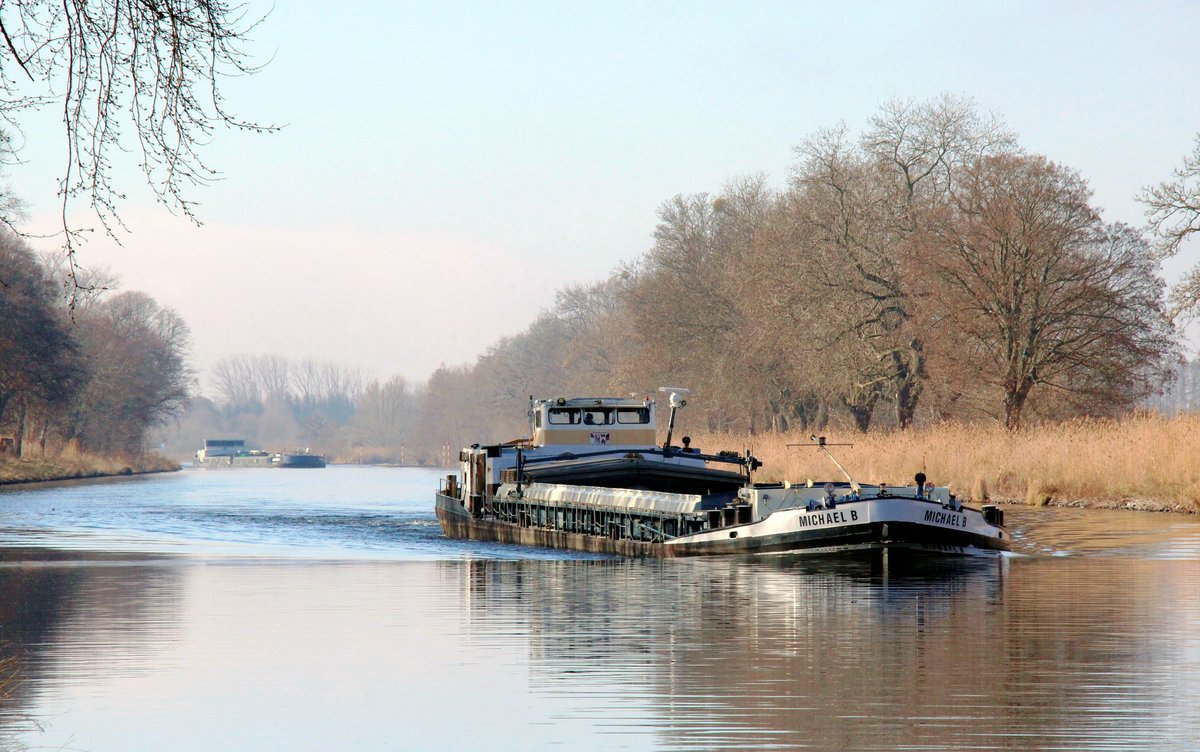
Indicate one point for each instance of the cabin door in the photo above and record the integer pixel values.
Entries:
(478, 482)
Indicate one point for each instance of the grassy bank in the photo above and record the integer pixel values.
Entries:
(1145, 462)
(71, 464)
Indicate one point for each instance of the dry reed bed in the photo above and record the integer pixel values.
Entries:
(70, 463)
(1145, 462)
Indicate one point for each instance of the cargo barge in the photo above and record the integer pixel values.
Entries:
(230, 453)
(299, 460)
(233, 453)
(592, 478)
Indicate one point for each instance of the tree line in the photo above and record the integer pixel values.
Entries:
(927, 269)
(81, 364)
(277, 403)
(97, 375)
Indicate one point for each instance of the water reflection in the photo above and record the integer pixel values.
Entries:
(318, 621)
(78, 618)
(1010, 653)
(1005, 654)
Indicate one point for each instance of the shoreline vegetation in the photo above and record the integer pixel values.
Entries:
(72, 464)
(1143, 462)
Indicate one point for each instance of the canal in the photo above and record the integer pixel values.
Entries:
(260, 609)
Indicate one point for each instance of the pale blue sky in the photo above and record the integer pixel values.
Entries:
(446, 166)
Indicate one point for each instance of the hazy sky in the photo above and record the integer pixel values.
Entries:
(445, 167)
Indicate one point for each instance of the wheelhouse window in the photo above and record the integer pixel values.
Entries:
(633, 415)
(597, 417)
(563, 416)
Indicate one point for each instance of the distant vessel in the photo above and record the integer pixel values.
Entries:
(230, 453)
(591, 478)
(299, 459)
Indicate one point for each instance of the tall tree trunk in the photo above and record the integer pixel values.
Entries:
(813, 413)
(778, 419)
(861, 412)
(909, 370)
(19, 443)
(1014, 402)
(862, 417)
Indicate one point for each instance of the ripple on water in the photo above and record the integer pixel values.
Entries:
(340, 512)
(1059, 531)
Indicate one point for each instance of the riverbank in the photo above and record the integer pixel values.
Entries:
(1147, 463)
(79, 465)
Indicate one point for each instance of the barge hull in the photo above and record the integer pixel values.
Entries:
(910, 537)
(456, 523)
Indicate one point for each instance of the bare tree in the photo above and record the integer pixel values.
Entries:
(863, 203)
(273, 374)
(236, 381)
(39, 358)
(384, 413)
(684, 296)
(152, 68)
(766, 373)
(1040, 293)
(923, 147)
(1173, 213)
(450, 415)
(319, 381)
(324, 398)
(91, 284)
(137, 371)
(598, 347)
(531, 362)
(855, 262)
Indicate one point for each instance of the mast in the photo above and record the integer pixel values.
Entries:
(676, 401)
(820, 442)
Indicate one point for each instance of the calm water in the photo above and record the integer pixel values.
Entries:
(322, 610)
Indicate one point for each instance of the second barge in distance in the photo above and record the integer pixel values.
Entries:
(230, 453)
(299, 459)
(591, 478)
